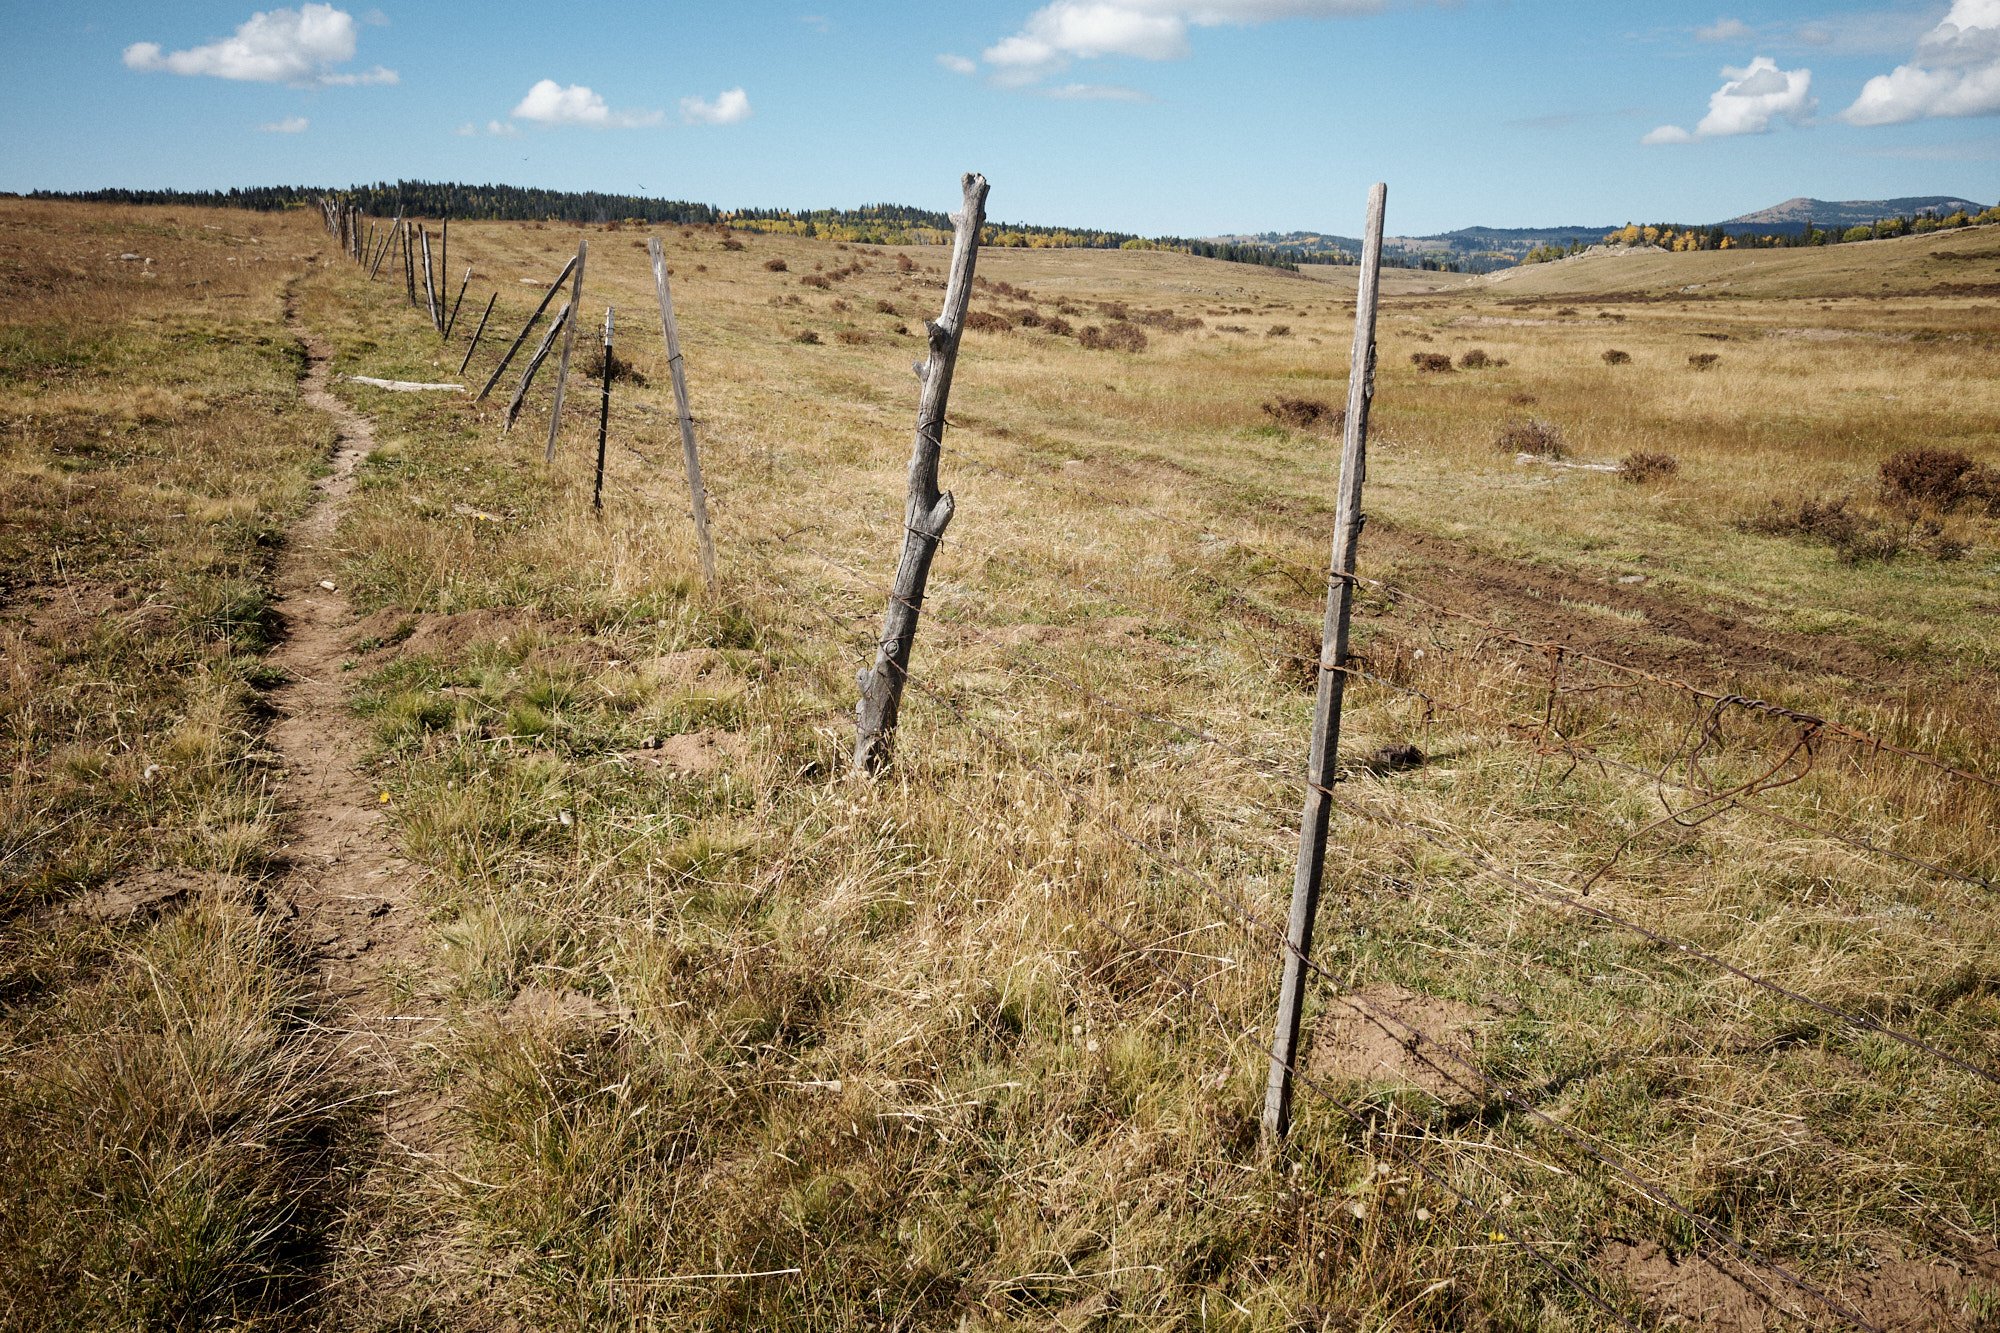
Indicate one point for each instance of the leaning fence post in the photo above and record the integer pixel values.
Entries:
(603, 416)
(928, 510)
(462, 284)
(560, 323)
(1320, 769)
(690, 456)
(473, 346)
(522, 336)
(569, 341)
(388, 239)
(431, 302)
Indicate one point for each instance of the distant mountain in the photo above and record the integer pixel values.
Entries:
(1483, 249)
(1790, 218)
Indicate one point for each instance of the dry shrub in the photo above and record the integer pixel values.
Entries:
(1523, 400)
(1476, 359)
(1278, 331)
(776, 265)
(1703, 361)
(1059, 326)
(1305, 414)
(1027, 317)
(886, 308)
(904, 264)
(1938, 481)
(1856, 536)
(1166, 321)
(1646, 465)
(806, 336)
(1114, 310)
(1117, 337)
(853, 337)
(591, 360)
(1532, 435)
(814, 280)
(1230, 328)
(1567, 310)
(1431, 363)
(985, 321)
(731, 243)
(1614, 357)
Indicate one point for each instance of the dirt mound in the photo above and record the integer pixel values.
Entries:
(139, 896)
(1713, 1290)
(414, 635)
(694, 753)
(1357, 1047)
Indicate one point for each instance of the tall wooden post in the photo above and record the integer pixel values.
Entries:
(473, 346)
(927, 510)
(603, 416)
(690, 456)
(522, 336)
(432, 305)
(569, 341)
(1320, 761)
(410, 261)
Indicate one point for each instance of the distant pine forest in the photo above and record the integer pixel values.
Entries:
(871, 224)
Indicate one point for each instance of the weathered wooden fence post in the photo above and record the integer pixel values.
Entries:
(463, 283)
(410, 261)
(927, 510)
(431, 304)
(569, 341)
(522, 336)
(1320, 761)
(388, 240)
(690, 456)
(603, 416)
(560, 323)
(473, 346)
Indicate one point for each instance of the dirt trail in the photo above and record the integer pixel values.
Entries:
(349, 894)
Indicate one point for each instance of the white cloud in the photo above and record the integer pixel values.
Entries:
(1725, 30)
(958, 64)
(1750, 100)
(1069, 30)
(297, 46)
(1956, 72)
(550, 103)
(289, 125)
(1095, 92)
(502, 129)
(728, 108)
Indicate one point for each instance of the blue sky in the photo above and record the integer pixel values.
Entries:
(1193, 117)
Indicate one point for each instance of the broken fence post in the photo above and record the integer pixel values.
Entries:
(569, 341)
(928, 510)
(560, 323)
(1320, 760)
(522, 336)
(473, 346)
(690, 455)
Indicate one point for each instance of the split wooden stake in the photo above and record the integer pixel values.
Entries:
(473, 346)
(690, 455)
(560, 323)
(522, 336)
(569, 341)
(927, 510)
(1321, 769)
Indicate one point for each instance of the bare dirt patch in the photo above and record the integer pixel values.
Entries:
(694, 753)
(1347, 1047)
(1898, 1294)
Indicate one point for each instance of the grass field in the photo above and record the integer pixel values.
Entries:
(717, 1035)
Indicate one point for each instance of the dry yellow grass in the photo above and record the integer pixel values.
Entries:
(977, 1045)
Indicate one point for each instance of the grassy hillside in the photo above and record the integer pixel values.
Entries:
(725, 1037)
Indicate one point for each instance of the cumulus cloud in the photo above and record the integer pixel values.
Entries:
(1725, 30)
(728, 108)
(551, 103)
(1750, 101)
(1956, 72)
(298, 46)
(1070, 30)
(958, 64)
(289, 125)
